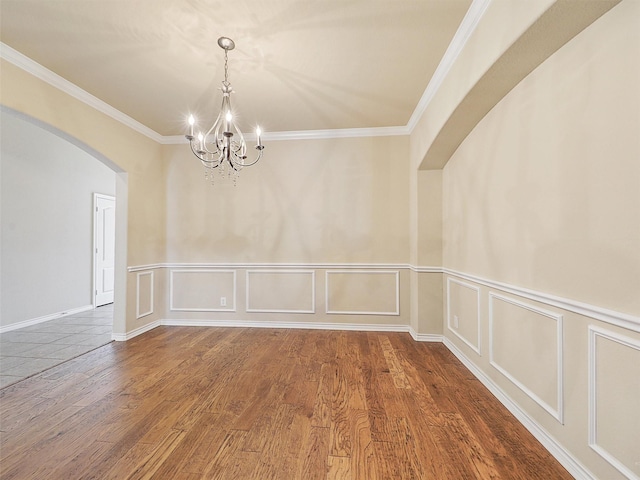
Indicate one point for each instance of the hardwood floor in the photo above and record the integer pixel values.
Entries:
(191, 403)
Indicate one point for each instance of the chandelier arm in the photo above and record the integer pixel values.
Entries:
(242, 145)
(256, 160)
(238, 149)
(206, 154)
(235, 162)
(218, 137)
(202, 156)
(204, 140)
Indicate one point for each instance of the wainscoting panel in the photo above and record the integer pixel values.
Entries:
(614, 393)
(281, 291)
(202, 290)
(144, 297)
(362, 292)
(463, 312)
(526, 346)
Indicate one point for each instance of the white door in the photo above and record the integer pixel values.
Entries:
(104, 234)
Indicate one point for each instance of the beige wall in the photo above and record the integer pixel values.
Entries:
(502, 24)
(324, 222)
(426, 251)
(541, 205)
(310, 201)
(545, 192)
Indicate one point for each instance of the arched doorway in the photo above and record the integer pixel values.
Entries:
(48, 182)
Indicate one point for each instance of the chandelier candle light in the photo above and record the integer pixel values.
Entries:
(223, 145)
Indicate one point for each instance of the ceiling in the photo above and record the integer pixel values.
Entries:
(298, 65)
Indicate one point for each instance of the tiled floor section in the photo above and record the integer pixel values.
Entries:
(30, 350)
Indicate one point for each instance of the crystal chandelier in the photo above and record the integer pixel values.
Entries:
(223, 146)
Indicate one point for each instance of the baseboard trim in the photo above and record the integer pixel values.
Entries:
(566, 459)
(361, 327)
(355, 327)
(44, 318)
(123, 337)
(425, 337)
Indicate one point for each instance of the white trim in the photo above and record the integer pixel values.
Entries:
(357, 327)
(425, 269)
(357, 312)
(273, 266)
(462, 35)
(55, 80)
(425, 337)
(619, 319)
(175, 309)
(44, 318)
(337, 133)
(476, 348)
(150, 266)
(312, 134)
(566, 459)
(557, 413)
(134, 333)
(150, 311)
(593, 405)
(612, 317)
(262, 310)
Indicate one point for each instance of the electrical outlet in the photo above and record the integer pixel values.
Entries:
(456, 322)
(223, 301)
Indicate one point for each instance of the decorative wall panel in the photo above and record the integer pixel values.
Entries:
(614, 381)
(362, 292)
(281, 291)
(463, 312)
(144, 297)
(525, 345)
(202, 290)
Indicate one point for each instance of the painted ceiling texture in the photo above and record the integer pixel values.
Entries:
(298, 65)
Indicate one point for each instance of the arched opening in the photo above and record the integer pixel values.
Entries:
(49, 179)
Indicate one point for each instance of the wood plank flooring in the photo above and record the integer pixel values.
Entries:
(237, 403)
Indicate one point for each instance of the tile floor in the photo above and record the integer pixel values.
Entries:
(30, 350)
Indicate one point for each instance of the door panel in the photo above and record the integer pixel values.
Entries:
(105, 226)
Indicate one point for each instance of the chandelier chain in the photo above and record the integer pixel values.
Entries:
(226, 69)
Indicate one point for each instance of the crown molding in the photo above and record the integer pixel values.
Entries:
(34, 68)
(459, 40)
(311, 134)
(466, 28)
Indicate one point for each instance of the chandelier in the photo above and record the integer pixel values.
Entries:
(223, 147)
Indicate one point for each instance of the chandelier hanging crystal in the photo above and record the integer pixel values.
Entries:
(223, 146)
